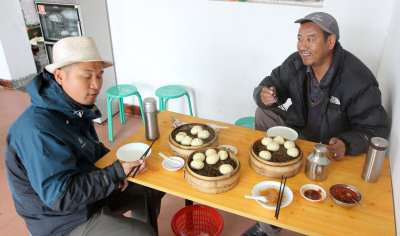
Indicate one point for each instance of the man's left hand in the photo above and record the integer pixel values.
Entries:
(337, 148)
(123, 185)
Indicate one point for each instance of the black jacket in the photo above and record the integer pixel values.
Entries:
(351, 110)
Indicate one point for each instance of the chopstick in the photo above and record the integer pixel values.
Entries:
(280, 197)
(136, 168)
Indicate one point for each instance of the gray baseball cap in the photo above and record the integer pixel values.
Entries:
(327, 22)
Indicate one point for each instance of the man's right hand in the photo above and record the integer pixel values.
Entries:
(267, 95)
(129, 165)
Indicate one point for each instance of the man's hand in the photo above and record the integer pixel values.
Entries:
(336, 148)
(267, 95)
(123, 185)
(129, 165)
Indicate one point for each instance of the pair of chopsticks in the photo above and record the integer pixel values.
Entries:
(280, 197)
(136, 168)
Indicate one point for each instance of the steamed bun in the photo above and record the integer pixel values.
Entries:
(289, 144)
(210, 152)
(223, 155)
(196, 129)
(266, 140)
(197, 164)
(212, 159)
(187, 140)
(293, 152)
(279, 139)
(179, 137)
(273, 146)
(203, 134)
(196, 142)
(266, 155)
(225, 169)
(199, 156)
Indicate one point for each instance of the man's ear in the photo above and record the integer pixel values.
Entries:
(59, 76)
(332, 41)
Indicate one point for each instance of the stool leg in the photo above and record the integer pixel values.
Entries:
(109, 114)
(165, 103)
(190, 105)
(141, 107)
(121, 110)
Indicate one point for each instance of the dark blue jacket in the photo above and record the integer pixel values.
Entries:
(50, 154)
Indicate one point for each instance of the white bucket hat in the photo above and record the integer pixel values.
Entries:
(68, 51)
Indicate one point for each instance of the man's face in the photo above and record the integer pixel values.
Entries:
(81, 81)
(312, 47)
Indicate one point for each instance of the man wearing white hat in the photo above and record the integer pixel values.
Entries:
(52, 147)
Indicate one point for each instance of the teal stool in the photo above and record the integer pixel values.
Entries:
(246, 122)
(167, 92)
(120, 91)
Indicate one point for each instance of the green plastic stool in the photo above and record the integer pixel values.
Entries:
(167, 92)
(246, 122)
(120, 91)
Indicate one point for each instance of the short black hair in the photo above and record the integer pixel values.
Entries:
(326, 34)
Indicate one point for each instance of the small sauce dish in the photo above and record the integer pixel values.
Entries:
(313, 193)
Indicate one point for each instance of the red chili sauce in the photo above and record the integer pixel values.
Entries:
(339, 193)
(313, 194)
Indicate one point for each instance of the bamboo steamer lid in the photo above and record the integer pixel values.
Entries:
(184, 151)
(207, 184)
(271, 169)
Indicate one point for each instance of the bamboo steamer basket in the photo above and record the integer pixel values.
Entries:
(207, 184)
(272, 169)
(177, 149)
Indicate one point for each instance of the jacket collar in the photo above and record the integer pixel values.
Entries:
(329, 76)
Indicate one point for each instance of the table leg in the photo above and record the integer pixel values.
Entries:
(151, 210)
(188, 202)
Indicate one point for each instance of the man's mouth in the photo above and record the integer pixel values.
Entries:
(305, 54)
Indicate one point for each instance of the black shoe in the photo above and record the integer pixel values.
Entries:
(256, 230)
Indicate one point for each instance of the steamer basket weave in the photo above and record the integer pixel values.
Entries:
(184, 151)
(206, 184)
(272, 169)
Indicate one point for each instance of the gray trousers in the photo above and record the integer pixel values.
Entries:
(110, 221)
(267, 118)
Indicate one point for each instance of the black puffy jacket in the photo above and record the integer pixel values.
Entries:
(351, 110)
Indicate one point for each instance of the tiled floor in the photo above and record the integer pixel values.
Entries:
(13, 103)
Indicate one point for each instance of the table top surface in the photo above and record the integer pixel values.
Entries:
(374, 217)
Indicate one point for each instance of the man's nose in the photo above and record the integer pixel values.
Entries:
(302, 45)
(95, 84)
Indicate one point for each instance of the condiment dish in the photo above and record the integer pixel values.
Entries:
(262, 186)
(338, 193)
(313, 193)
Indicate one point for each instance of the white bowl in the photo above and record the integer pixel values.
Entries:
(313, 187)
(288, 194)
(132, 151)
(285, 132)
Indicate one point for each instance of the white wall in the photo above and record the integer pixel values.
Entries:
(389, 74)
(15, 53)
(221, 50)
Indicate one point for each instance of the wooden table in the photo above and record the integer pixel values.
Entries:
(374, 217)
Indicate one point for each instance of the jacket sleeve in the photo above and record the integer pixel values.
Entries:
(367, 118)
(53, 173)
(278, 78)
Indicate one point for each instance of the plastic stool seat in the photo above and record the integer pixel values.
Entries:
(120, 91)
(167, 92)
(246, 122)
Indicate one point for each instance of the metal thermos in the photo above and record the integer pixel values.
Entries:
(150, 118)
(317, 163)
(373, 162)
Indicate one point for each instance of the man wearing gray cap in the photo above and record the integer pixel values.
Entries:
(335, 97)
(52, 147)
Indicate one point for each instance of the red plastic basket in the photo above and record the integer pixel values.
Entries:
(197, 220)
